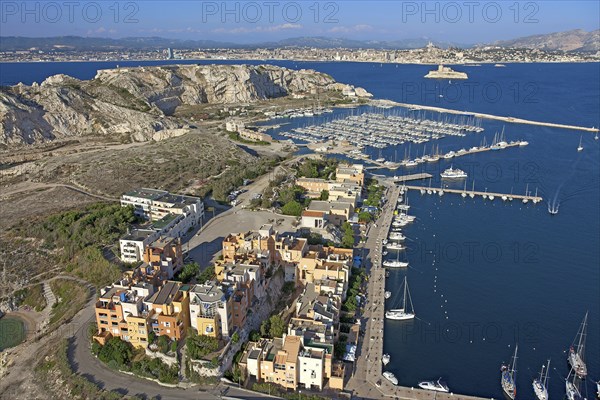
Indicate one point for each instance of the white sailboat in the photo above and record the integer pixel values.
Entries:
(526, 200)
(508, 377)
(540, 385)
(472, 194)
(571, 387)
(580, 147)
(576, 356)
(464, 193)
(402, 314)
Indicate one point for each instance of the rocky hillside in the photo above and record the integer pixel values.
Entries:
(575, 40)
(140, 102)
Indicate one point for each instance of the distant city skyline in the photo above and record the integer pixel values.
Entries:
(246, 22)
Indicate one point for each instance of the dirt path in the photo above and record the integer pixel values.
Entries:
(36, 186)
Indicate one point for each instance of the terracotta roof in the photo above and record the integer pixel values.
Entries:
(313, 213)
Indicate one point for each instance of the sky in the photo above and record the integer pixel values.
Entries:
(465, 22)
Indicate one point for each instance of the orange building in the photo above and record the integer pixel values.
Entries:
(171, 310)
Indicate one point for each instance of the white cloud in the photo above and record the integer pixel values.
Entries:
(351, 29)
(255, 29)
(101, 30)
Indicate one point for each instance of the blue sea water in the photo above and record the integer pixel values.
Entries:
(484, 275)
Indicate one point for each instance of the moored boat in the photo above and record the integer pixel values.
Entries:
(437, 386)
(390, 377)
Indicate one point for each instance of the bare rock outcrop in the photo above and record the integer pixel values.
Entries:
(139, 103)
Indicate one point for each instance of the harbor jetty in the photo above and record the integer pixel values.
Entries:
(513, 120)
(366, 380)
(472, 193)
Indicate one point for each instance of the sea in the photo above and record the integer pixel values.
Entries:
(484, 276)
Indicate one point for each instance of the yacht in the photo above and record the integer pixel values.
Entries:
(523, 143)
(385, 359)
(394, 246)
(395, 264)
(437, 386)
(397, 236)
(401, 314)
(508, 377)
(390, 377)
(449, 155)
(576, 356)
(540, 385)
(452, 173)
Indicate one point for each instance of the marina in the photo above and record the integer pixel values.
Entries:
(384, 129)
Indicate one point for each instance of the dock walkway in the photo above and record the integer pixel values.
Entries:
(471, 193)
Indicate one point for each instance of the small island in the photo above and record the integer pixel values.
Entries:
(446, 73)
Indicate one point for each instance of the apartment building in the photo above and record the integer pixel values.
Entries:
(336, 212)
(211, 309)
(166, 255)
(132, 245)
(350, 173)
(120, 312)
(255, 135)
(322, 263)
(314, 186)
(153, 204)
(265, 244)
(288, 362)
(170, 308)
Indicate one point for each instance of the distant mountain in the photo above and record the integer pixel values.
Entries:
(78, 43)
(575, 40)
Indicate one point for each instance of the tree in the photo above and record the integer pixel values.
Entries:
(235, 338)
(324, 195)
(188, 272)
(207, 274)
(348, 236)
(292, 208)
(254, 336)
(277, 326)
(365, 216)
(163, 343)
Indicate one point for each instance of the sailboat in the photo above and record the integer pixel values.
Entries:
(464, 193)
(576, 356)
(508, 377)
(472, 194)
(526, 199)
(580, 147)
(540, 385)
(402, 314)
(571, 387)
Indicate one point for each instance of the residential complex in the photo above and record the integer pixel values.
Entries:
(167, 215)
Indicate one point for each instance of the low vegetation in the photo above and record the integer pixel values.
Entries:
(199, 346)
(77, 238)
(318, 168)
(70, 298)
(120, 355)
(32, 296)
